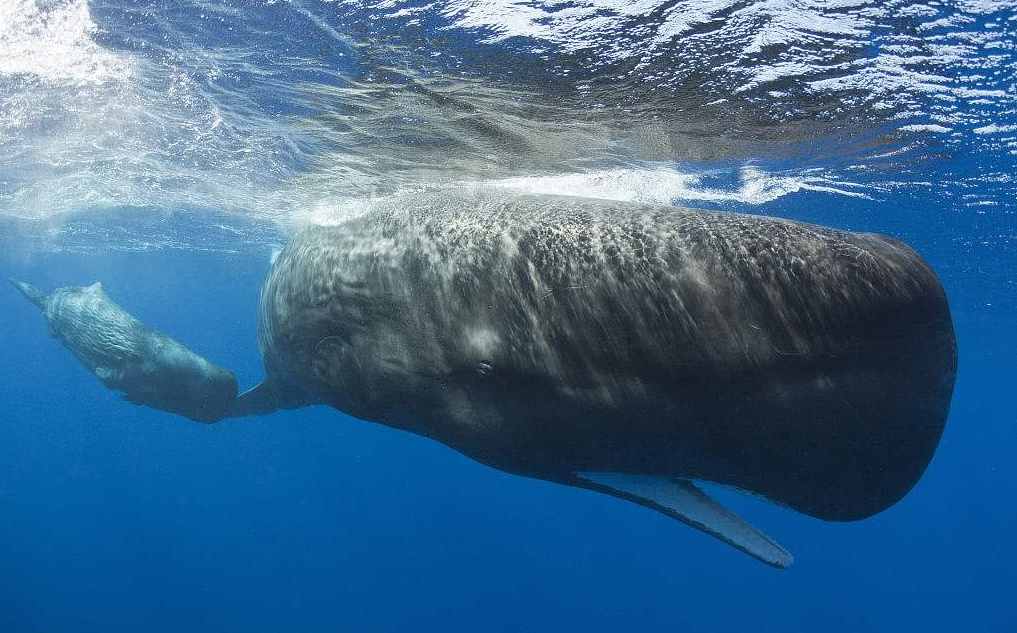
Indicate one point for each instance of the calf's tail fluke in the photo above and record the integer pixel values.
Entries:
(36, 296)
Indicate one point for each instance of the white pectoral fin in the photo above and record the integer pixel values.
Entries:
(682, 500)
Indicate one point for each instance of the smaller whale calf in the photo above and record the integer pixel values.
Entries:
(149, 367)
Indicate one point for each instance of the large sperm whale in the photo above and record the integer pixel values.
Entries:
(624, 348)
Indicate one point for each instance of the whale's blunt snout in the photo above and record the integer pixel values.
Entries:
(33, 294)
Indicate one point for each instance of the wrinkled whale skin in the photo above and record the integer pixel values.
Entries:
(550, 335)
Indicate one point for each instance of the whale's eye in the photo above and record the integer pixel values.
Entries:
(484, 368)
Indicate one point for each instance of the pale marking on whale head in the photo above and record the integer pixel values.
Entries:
(483, 341)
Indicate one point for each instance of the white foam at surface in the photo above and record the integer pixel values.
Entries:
(586, 23)
(995, 129)
(667, 186)
(930, 127)
(54, 42)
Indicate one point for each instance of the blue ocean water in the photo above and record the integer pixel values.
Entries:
(168, 149)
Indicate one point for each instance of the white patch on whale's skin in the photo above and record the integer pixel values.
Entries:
(483, 341)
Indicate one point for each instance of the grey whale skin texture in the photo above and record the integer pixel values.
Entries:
(547, 335)
(624, 348)
(149, 367)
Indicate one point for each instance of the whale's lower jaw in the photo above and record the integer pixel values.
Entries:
(843, 452)
(836, 441)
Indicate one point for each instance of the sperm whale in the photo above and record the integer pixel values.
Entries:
(635, 350)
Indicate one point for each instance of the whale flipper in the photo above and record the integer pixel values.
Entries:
(681, 499)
